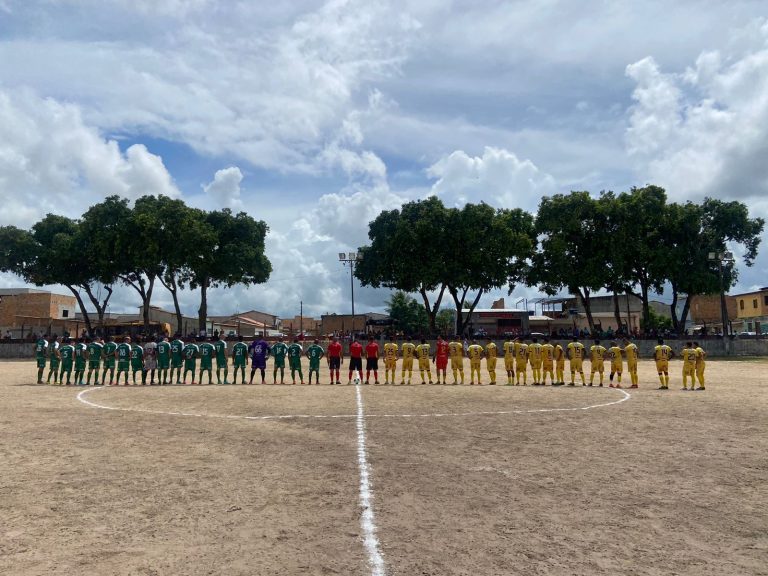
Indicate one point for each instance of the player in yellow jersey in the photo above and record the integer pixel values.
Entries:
(701, 363)
(491, 353)
(617, 363)
(509, 360)
(547, 362)
(390, 360)
(475, 353)
(689, 365)
(661, 354)
(534, 357)
(422, 353)
(521, 362)
(559, 365)
(456, 352)
(596, 361)
(408, 350)
(630, 350)
(575, 352)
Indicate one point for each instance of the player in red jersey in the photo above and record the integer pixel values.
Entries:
(441, 358)
(355, 358)
(372, 361)
(335, 354)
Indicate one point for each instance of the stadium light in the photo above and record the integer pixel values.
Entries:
(351, 259)
(342, 256)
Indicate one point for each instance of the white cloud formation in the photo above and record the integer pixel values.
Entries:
(498, 177)
(225, 188)
(52, 161)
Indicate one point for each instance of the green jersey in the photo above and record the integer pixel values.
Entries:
(53, 349)
(190, 352)
(164, 355)
(176, 348)
(41, 347)
(109, 354)
(123, 355)
(137, 358)
(80, 351)
(314, 353)
(94, 353)
(240, 353)
(207, 351)
(278, 351)
(67, 353)
(221, 353)
(295, 352)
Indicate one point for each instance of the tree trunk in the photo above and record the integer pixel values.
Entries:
(432, 309)
(84, 312)
(585, 301)
(147, 300)
(101, 307)
(461, 324)
(617, 311)
(646, 306)
(202, 312)
(673, 311)
(684, 313)
(145, 293)
(173, 287)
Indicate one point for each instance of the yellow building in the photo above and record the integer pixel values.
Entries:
(752, 311)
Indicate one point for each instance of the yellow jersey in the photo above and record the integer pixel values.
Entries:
(689, 356)
(575, 351)
(408, 350)
(521, 352)
(662, 352)
(475, 352)
(701, 357)
(548, 353)
(422, 351)
(491, 351)
(456, 350)
(390, 351)
(615, 354)
(509, 350)
(596, 353)
(631, 351)
(559, 354)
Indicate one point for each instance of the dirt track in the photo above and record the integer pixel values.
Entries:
(665, 483)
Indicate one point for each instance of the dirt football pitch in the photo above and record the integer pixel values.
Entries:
(457, 480)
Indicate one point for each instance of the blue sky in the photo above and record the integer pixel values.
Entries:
(316, 115)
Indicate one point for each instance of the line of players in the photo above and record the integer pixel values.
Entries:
(166, 359)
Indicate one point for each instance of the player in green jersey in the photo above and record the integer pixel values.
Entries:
(239, 358)
(207, 352)
(81, 352)
(295, 352)
(221, 359)
(190, 352)
(109, 360)
(41, 353)
(67, 357)
(137, 361)
(177, 360)
(315, 352)
(53, 355)
(278, 352)
(95, 349)
(164, 359)
(123, 355)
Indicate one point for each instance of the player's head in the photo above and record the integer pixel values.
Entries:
(370, 338)
(296, 340)
(625, 341)
(391, 338)
(597, 342)
(239, 337)
(111, 338)
(139, 339)
(534, 340)
(613, 343)
(546, 340)
(423, 340)
(409, 339)
(575, 338)
(334, 338)
(317, 341)
(127, 339)
(660, 340)
(689, 344)
(696, 344)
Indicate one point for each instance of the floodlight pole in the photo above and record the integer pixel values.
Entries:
(351, 259)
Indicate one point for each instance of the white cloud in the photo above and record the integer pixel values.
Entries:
(498, 177)
(51, 161)
(225, 188)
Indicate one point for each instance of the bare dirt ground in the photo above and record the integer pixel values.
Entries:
(663, 483)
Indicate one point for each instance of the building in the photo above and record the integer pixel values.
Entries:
(346, 323)
(248, 324)
(497, 321)
(706, 312)
(752, 312)
(603, 311)
(26, 311)
(297, 324)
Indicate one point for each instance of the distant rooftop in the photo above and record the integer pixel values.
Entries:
(16, 291)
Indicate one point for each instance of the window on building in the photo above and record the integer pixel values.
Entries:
(765, 300)
(741, 304)
(65, 313)
(754, 303)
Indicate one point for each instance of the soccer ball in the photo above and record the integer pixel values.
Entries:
(356, 378)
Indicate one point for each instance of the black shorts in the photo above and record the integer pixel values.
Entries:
(372, 364)
(334, 362)
(356, 364)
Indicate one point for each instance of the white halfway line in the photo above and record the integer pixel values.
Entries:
(81, 397)
(367, 522)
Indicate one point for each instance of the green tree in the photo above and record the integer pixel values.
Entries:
(573, 248)
(445, 321)
(408, 252)
(230, 251)
(407, 314)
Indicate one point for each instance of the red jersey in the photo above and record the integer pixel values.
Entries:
(356, 350)
(442, 349)
(334, 350)
(372, 350)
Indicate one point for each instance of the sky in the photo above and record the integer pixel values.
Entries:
(314, 116)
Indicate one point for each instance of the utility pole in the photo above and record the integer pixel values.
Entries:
(351, 259)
